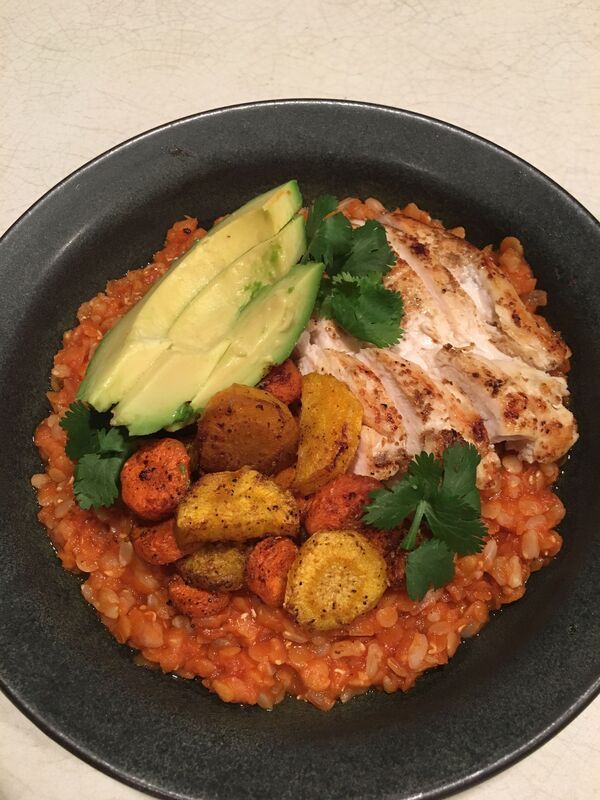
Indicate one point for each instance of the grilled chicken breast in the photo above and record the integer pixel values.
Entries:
(520, 405)
(434, 415)
(473, 363)
(451, 262)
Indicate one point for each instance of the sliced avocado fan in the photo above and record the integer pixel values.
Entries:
(203, 332)
(142, 335)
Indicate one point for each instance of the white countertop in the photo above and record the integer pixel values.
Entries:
(77, 78)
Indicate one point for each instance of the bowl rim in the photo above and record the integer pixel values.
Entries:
(64, 739)
(292, 101)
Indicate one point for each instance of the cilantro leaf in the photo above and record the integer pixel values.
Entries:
(410, 540)
(431, 564)
(352, 292)
(366, 309)
(87, 432)
(323, 205)
(96, 480)
(331, 243)
(99, 450)
(113, 442)
(389, 507)
(82, 434)
(455, 522)
(460, 468)
(323, 301)
(424, 473)
(370, 251)
(444, 495)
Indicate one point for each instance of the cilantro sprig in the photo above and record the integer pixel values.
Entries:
(444, 495)
(365, 308)
(99, 452)
(356, 260)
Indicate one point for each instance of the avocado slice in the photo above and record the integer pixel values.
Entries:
(161, 398)
(200, 335)
(138, 339)
(266, 331)
(212, 312)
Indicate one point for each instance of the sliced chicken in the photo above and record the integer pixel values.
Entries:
(511, 327)
(434, 414)
(378, 456)
(325, 334)
(442, 297)
(520, 405)
(425, 325)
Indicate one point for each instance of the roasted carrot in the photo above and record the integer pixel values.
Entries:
(388, 544)
(284, 382)
(195, 603)
(340, 504)
(268, 566)
(156, 543)
(154, 480)
(285, 478)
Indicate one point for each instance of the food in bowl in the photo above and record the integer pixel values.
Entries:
(307, 452)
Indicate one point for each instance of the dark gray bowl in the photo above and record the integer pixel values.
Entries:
(503, 694)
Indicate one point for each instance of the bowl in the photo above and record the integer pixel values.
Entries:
(530, 671)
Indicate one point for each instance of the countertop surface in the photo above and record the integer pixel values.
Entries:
(79, 77)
